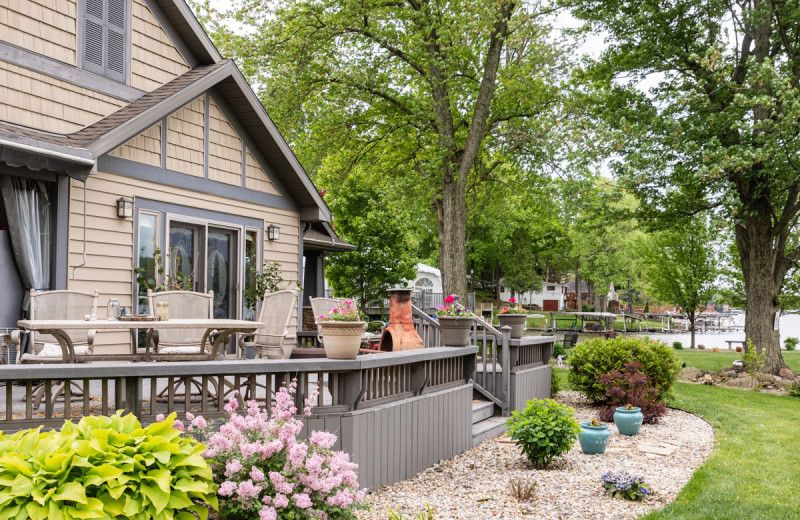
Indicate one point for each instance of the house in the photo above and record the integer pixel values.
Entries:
(123, 131)
(551, 297)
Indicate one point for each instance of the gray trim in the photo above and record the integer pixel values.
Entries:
(312, 214)
(300, 274)
(164, 142)
(147, 118)
(189, 182)
(25, 173)
(249, 144)
(162, 19)
(198, 213)
(69, 73)
(62, 232)
(206, 118)
(244, 165)
(281, 143)
(188, 19)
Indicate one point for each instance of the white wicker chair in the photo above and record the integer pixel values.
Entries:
(182, 305)
(58, 305)
(276, 313)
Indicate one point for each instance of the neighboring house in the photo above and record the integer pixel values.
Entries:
(428, 279)
(123, 130)
(572, 298)
(552, 296)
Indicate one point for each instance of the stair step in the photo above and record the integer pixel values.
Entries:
(488, 429)
(481, 411)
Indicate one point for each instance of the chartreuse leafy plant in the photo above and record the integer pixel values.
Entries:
(104, 467)
(543, 430)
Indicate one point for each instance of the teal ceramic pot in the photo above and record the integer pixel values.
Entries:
(628, 421)
(594, 439)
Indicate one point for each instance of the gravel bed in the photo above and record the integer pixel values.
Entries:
(474, 485)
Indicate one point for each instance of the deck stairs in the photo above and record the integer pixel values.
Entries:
(486, 421)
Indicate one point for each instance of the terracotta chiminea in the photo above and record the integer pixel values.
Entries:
(400, 334)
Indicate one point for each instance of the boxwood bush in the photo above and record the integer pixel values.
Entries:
(104, 467)
(543, 430)
(600, 356)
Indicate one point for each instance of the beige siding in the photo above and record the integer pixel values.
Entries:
(47, 27)
(154, 58)
(186, 138)
(144, 148)
(257, 178)
(37, 101)
(109, 240)
(224, 148)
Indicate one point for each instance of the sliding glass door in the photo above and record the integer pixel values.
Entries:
(221, 273)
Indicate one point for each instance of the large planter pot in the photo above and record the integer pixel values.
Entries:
(515, 321)
(455, 330)
(342, 339)
(594, 439)
(628, 421)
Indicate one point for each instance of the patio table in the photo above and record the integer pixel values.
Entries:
(223, 327)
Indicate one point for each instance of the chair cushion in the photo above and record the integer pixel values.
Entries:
(179, 350)
(54, 350)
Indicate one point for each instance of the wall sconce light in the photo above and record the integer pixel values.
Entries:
(124, 208)
(273, 232)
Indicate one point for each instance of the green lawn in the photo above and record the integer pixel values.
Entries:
(752, 471)
(707, 360)
(754, 466)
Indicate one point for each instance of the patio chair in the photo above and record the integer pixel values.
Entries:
(276, 314)
(182, 305)
(570, 340)
(322, 306)
(56, 305)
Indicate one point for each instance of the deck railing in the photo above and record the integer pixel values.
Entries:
(47, 394)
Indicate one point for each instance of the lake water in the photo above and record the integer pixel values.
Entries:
(789, 327)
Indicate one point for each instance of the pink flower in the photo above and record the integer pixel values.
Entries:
(247, 489)
(512, 300)
(268, 513)
(233, 467)
(256, 474)
(233, 404)
(302, 500)
(189, 416)
(280, 501)
(450, 298)
(322, 439)
(200, 422)
(178, 425)
(226, 489)
(160, 417)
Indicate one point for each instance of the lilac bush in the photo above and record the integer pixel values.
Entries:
(265, 472)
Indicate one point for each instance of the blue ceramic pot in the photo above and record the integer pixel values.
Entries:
(628, 421)
(594, 439)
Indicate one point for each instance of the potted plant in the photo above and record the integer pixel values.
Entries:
(455, 322)
(628, 419)
(514, 316)
(342, 331)
(594, 437)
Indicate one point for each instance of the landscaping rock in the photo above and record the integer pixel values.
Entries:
(765, 378)
(786, 373)
(745, 382)
(689, 374)
(666, 454)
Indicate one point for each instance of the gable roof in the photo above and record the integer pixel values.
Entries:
(75, 154)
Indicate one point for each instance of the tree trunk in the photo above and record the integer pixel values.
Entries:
(578, 298)
(452, 257)
(763, 278)
(692, 316)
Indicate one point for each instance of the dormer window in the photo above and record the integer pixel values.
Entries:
(105, 42)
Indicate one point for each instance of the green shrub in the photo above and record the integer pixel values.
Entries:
(677, 345)
(794, 390)
(791, 343)
(600, 356)
(543, 430)
(555, 383)
(104, 467)
(558, 349)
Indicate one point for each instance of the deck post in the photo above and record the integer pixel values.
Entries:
(506, 367)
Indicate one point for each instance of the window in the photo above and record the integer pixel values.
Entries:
(148, 242)
(551, 287)
(105, 37)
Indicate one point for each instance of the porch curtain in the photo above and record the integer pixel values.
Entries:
(29, 213)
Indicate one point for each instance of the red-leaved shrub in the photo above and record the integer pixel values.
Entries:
(631, 386)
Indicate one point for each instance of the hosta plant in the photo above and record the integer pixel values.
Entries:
(104, 467)
(543, 430)
(265, 472)
(624, 485)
